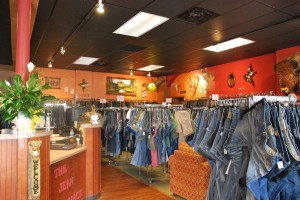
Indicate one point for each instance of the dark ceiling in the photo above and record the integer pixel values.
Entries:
(5, 36)
(176, 44)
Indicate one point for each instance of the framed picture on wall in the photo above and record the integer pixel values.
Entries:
(53, 82)
(121, 86)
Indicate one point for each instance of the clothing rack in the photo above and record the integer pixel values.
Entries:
(282, 99)
(231, 102)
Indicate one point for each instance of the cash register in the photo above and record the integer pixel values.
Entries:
(65, 143)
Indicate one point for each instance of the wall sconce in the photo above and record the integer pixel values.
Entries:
(149, 74)
(30, 66)
(100, 7)
(131, 72)
(50, 64)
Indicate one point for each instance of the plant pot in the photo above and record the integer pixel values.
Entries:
(23, 125)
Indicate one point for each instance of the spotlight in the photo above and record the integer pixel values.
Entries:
(62, 51)
(100, 7)
(131, 72)
(50, 64)
(149, 74)
(30, 66)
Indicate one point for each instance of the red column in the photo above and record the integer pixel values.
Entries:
(23, 38)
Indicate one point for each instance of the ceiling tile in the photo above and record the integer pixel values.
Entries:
(112, 19)
(293, 10)
(170, 8)
(238, 16)
(218, 6)
(131, 4)
(240, 30)
(277, 4)
(167, 30)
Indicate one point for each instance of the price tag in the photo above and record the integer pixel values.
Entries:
(120, 98)
(225, 151)
(280, 164)
(144, 93)
(215, 97)
(102, 100)
(168, 100)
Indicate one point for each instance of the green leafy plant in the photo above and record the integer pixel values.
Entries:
(28, 99)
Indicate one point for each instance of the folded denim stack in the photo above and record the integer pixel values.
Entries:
(189, 173)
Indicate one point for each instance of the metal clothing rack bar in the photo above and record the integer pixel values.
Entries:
(231, 101)
(254, 99)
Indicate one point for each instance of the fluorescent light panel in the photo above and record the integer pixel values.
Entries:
(230, 44)
(150, 68)
(140, 24)
(85, 60)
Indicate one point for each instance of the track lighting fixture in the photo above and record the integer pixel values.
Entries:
(131, 72)
(62, 51)
(30, 66)
(50, 64)
(100, 7)
(149, 74)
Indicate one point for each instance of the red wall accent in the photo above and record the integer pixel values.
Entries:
(265, 80)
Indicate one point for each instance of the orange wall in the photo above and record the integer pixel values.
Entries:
(99, 86)
(71, 79)
(67, 81)
(265, 80)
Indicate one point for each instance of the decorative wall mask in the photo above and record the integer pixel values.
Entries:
(175, 85)
(249, 77)
(231, 80)
(192, 85)
(288, 72)
(207, 76)
(83, 84)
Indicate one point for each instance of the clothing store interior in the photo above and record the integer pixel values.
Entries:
(150, 99)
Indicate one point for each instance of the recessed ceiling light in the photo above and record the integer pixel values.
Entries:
(230, 44)
(85, 60)
(140, 24)
(150, 68)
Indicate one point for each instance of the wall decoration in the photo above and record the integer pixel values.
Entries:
(121, 86)
(53, 82)
(34, 169)
(207, 76)
(83, 84)
(231, 80)
(192, 85)
(249, 77)
(288, 72)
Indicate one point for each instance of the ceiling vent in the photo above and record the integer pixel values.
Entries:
(132, 48)
(197, 15)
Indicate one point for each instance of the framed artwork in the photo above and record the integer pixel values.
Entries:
(53, 82)
(121, 86)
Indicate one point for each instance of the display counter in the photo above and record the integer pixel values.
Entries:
(67, 175)
(59, 155)
(29, 169)
(16, 166)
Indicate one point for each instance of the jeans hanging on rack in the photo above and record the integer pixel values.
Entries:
(252, 153)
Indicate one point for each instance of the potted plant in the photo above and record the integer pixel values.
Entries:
(23, 104)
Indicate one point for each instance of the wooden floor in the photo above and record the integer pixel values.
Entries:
(117, 185)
